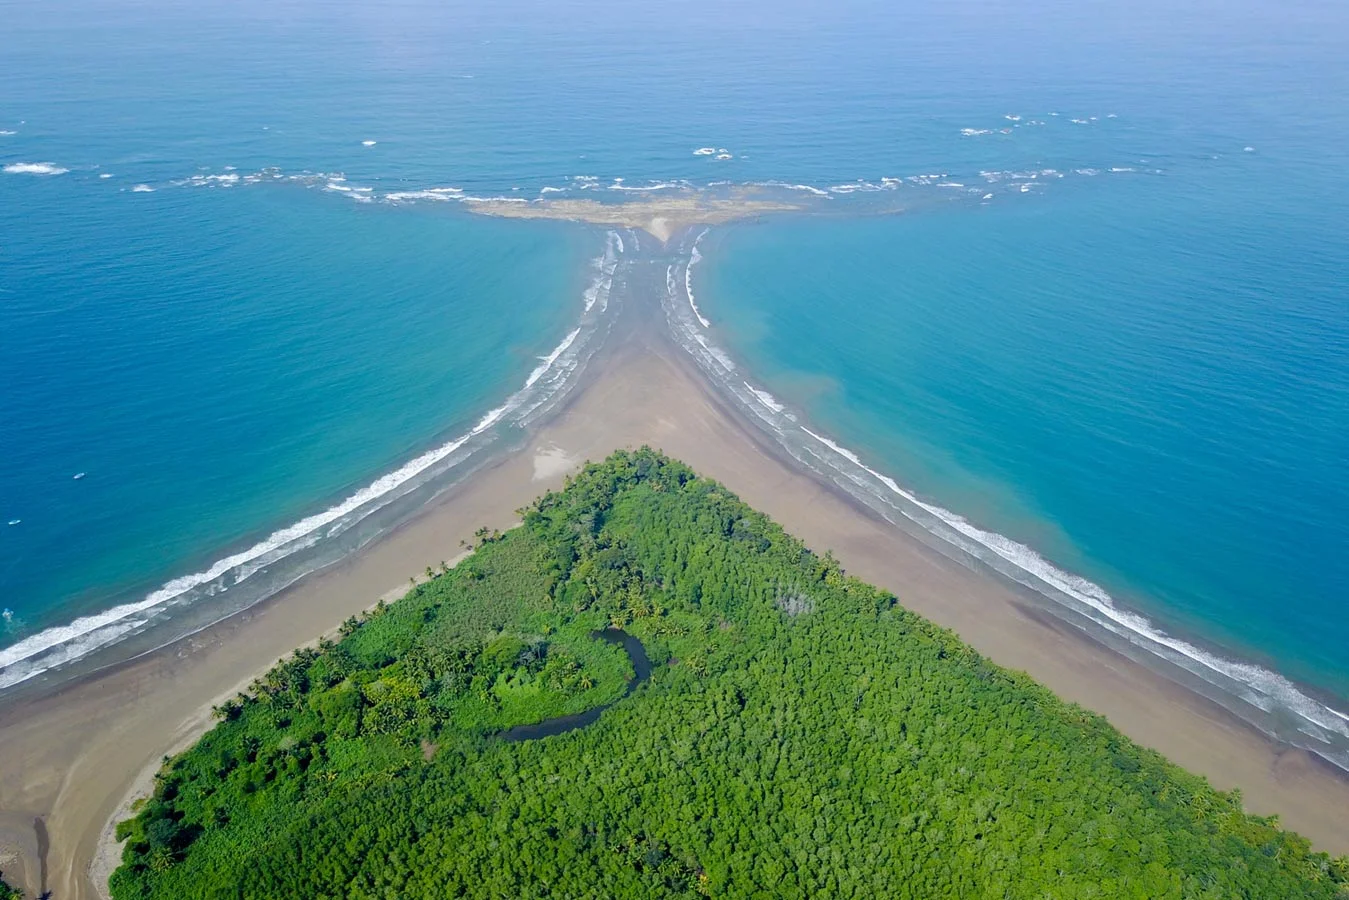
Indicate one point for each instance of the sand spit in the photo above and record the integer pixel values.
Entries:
(70, 759)
(661, 217)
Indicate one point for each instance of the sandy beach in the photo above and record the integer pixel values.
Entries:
(70, 760)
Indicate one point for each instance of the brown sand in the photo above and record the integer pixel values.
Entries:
(659, 216)
(74, 758)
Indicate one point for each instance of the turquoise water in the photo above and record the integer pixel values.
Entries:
(237, 283)
(1169, 420)
(222, 363)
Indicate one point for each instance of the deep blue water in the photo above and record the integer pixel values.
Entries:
(1132, 356)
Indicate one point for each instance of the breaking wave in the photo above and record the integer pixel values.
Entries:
(1264, 698)
(35, 168)
(281, 555)
(694, 257)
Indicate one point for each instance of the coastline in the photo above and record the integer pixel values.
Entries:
(76, 756)
(661, 217)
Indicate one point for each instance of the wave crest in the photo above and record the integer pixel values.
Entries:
(35, 168)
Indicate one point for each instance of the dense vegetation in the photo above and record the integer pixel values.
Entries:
(802, 735)
(7, 892)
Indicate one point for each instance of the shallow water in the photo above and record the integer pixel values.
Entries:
(1112, 327)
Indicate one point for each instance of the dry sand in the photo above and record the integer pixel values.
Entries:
(72, 759)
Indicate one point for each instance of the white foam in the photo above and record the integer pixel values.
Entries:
(4, 133)
(765, 398)
(810, 189)
(105, 175)
(694, 257)
(1266, 685)
(228, 179)
(438, 194)
(142, 189)
(86, 625)
(35, 168)
(1248, 149)
(650, 186)
(604, 265)
(716, 353)
(55, 646)
(368, 143)
(705, 151)
(974, 132)
(1258, 686)
(547, 361)
(548, 189)
(724, 156)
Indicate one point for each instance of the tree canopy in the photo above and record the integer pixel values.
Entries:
(801, 735)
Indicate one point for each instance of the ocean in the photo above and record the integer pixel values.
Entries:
(1075, 275)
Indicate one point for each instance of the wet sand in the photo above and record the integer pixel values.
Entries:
(74, 758)
(660, 216)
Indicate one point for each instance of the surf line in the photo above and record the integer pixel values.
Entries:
(694, 258)
(63, 644)
(1252, 687)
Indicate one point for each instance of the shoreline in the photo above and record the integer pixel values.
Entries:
(661, 217)
(108, 856)
(76, 756)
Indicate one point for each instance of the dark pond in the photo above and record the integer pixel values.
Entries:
(562, 724)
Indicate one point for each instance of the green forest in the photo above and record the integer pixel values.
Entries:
(801, 734)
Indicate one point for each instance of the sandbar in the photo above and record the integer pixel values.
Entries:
(660, 217)
(73, 758)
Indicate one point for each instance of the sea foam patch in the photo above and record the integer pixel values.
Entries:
(35, 168)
